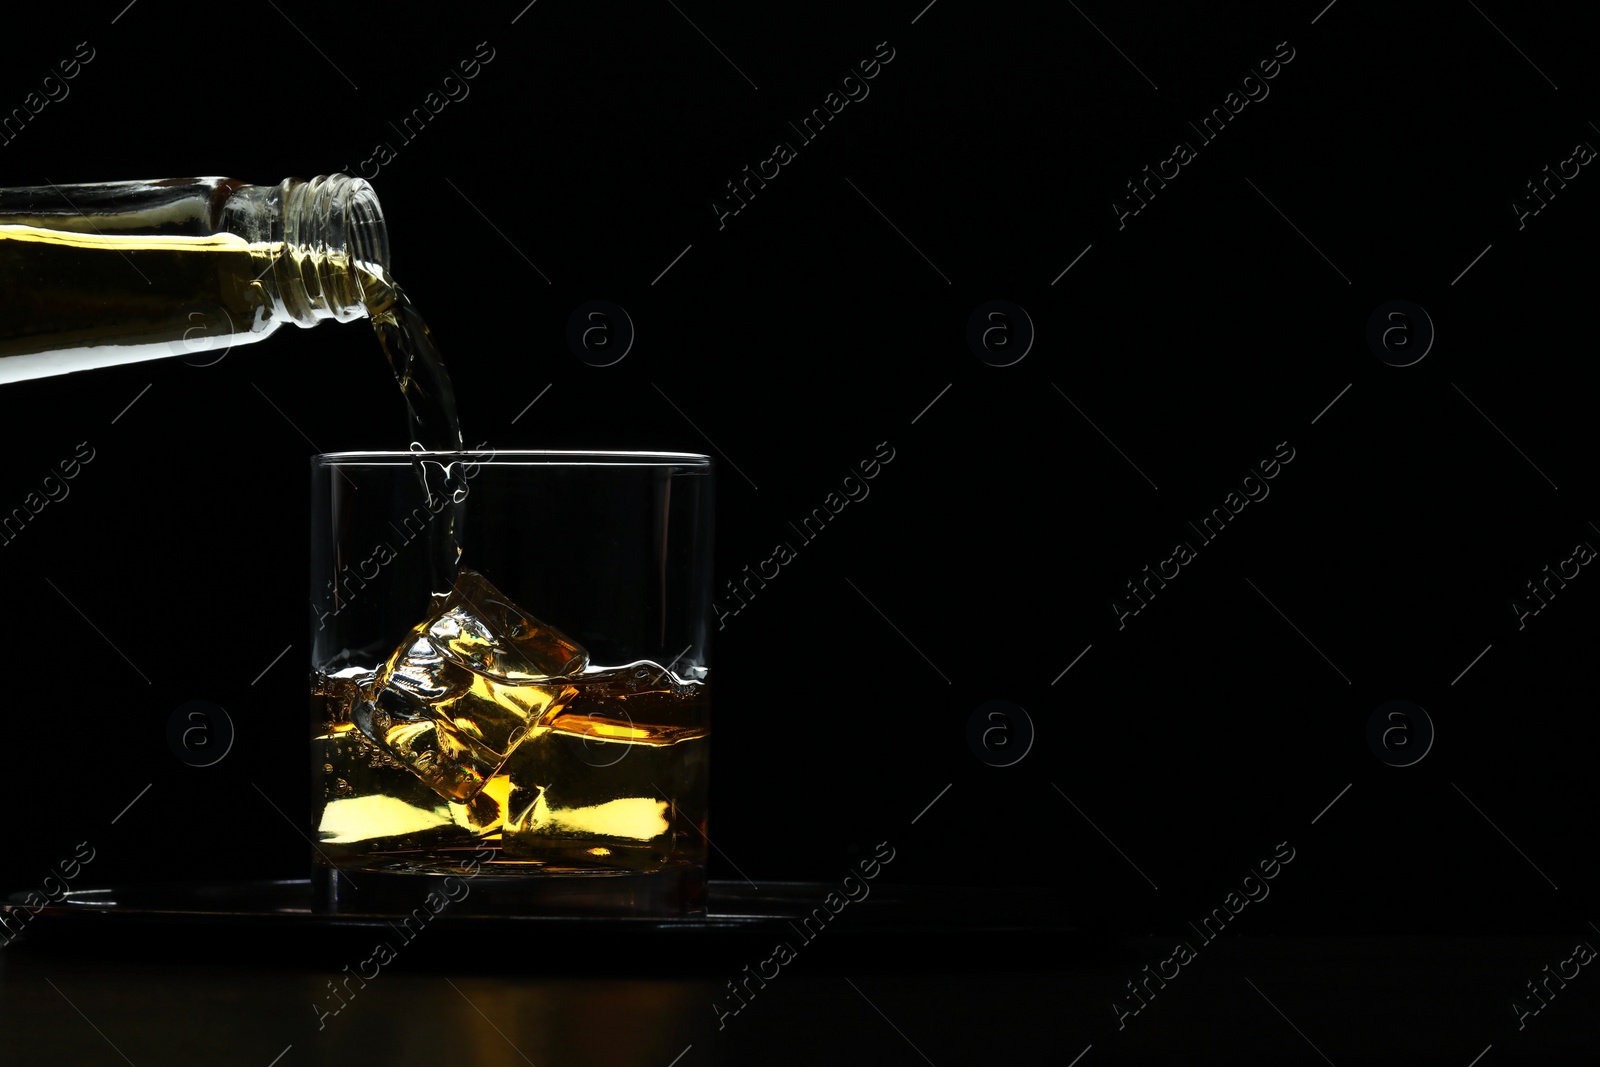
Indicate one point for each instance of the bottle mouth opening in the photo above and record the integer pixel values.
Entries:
(366, 232)
(346, 218)
(333, 223)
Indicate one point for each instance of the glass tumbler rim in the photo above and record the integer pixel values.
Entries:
(516, 457)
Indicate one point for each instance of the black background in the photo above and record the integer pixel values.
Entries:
(826, 318)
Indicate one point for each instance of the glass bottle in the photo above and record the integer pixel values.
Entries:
(117, 272)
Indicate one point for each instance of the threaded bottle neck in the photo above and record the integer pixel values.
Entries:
(314, 235)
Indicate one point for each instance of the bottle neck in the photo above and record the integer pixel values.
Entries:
(313, 236)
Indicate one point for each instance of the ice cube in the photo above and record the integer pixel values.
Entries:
(364, 794)
(466, 686)
(480, 628)
(340, 692)
(641, 701)
(613, 712)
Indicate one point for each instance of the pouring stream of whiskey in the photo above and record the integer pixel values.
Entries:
(431, 409)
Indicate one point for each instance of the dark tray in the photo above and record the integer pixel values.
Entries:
(897, 927)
